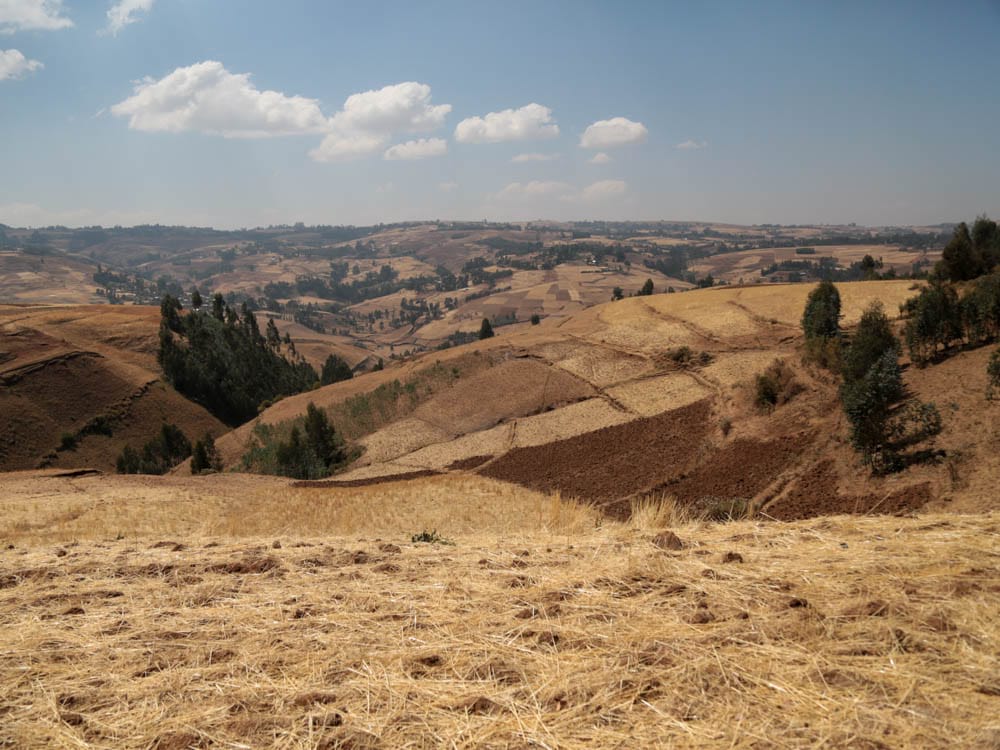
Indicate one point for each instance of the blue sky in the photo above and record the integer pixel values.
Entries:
(237, 112)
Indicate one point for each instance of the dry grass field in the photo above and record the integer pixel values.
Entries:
(746, 265)
(239, 612)
(49, 279)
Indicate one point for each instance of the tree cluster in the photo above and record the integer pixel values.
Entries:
(971, 253)
(220, 359)
(158, 456)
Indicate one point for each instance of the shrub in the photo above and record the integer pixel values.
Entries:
(935, 320)
(429, 537)
(867, 402)
(205, 456)
(158, 456)
(684, 356)
(312, 449)
(993, 374)
(916, 422)
(775, 386)
(872, 338)
(67, 441)
(536, 319)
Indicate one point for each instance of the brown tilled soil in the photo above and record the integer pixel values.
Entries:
(816, 494)
(613, 462)
(739, 471)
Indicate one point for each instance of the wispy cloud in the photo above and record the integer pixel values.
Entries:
(600, 158)
(422, 148)
(123, 12)
(32, 15)
(690, 145)
(523, 158)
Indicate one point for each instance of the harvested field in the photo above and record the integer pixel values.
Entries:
(532, 627)
(603, 367)
(613, 462)
(442, 455)
(526, 386)
(575, 419)
(400, 438)
(651, 396)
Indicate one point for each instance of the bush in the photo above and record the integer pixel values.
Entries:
(872, 338)
(916, 422)
(158, 456)
(935, 321)
(536, 319)
(67, 441)
(775, 386)
(867, 402)
(429, 537)
(684, 357)
(993, 373)
(205, 456)
(313, 449)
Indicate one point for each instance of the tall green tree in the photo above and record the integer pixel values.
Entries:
(334, 370)
(821, 318)
(960, 261)
(486, 330)
(872, 338)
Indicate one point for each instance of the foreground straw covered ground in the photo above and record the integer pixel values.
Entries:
(538, 626)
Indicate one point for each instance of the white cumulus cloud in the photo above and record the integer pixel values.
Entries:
(13, 64)
(32, 15)
(523, 158)
(534, 189)
(600, 158)
(603, 189)
(421, 148)
(618, 131)
(368, 120)
(207, 98)
(690, 145)
(530, 121)
(123, 12)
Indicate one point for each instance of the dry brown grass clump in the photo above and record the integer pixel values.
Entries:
(528, 631)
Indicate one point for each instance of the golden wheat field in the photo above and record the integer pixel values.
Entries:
(241, 612)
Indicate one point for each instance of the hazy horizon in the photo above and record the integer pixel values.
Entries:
(232, 115)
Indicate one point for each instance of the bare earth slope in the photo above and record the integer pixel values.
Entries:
(202, 612)
(85, 372)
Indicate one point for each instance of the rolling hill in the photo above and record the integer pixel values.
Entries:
(653, 395)
(88, 373)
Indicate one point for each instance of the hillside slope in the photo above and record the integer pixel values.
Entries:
(654, 395)
(87, 372)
